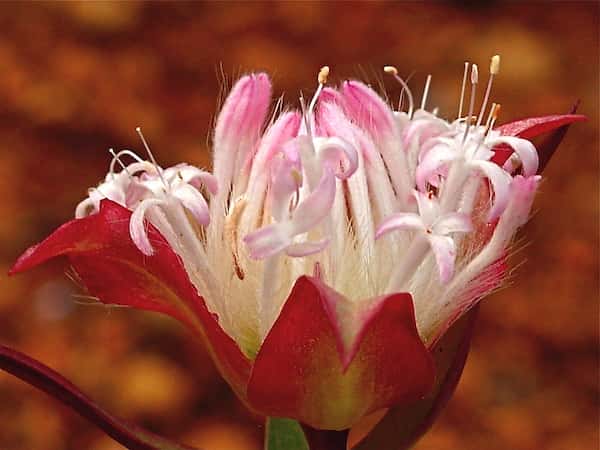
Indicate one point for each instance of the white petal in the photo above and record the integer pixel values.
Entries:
(524, 149)
(500, 181)
(444, 251)
(429, 207)
(316, 206)
(400, 221)
(306, 248)
(339, 155)
(453, 223)
(194, 202)
(137, 226)
(196, 177)
(268, 241)
(431, 164)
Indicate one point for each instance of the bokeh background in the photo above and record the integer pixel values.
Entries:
(77, 78)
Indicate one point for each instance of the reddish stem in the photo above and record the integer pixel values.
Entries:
(52, 383)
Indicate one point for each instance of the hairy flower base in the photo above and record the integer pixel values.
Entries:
(308, 368)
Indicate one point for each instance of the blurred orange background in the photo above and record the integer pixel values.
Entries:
(77, 78)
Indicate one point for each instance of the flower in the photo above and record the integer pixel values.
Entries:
(328, 252)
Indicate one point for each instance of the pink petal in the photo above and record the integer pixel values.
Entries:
(283, 129)
(244, 109)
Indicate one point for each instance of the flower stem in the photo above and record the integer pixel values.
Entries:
(47, 380)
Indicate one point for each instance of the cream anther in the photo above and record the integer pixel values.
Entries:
(495, 65)
(323, 74)
(494, 69)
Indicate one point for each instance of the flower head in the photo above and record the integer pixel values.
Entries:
(328, 250)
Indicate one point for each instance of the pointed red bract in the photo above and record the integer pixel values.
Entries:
(113, 269)
(312, 368)
(531, 128)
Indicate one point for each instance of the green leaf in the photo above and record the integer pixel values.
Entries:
(284, 434)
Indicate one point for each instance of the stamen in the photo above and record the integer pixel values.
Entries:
(474, 81)
(494, 69)
(139, 132)
(394, 72)
(462, 90)
(425, 92)
(231, 230)
(322, 79)
(494, 111)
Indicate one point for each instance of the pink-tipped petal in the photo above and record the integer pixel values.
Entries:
(367, 108)
(400, 221)
(444, 250)
(244, 109)
(283, 129)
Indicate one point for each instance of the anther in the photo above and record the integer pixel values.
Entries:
(323, 74)
(494, 69)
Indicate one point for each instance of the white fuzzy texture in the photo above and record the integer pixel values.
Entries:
(315, 202)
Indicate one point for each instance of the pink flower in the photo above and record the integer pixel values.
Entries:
(278, 261)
